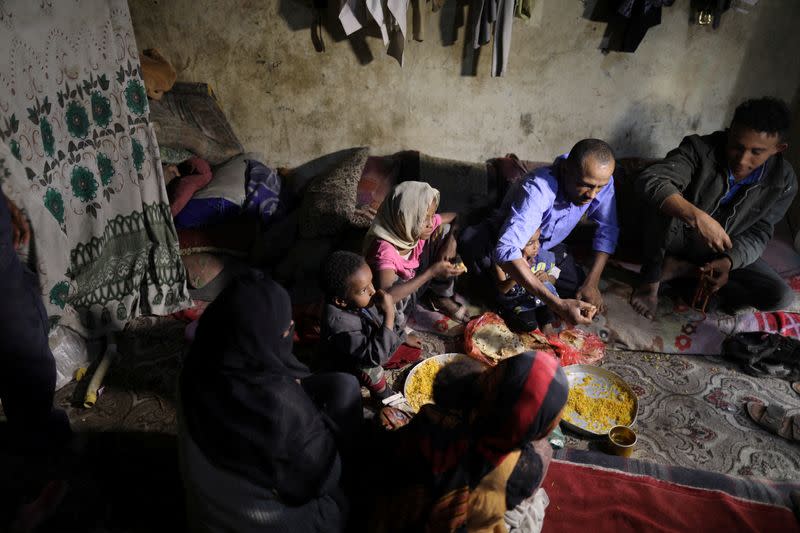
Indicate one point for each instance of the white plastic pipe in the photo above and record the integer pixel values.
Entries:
(97, 379)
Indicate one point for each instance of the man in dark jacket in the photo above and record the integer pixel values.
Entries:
(714, 203)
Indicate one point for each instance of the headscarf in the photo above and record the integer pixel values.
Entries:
(443, 457)
(520, 401)
(242, 403)
(401, 215)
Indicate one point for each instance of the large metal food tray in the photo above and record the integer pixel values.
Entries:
(441, 359)
(575, 374)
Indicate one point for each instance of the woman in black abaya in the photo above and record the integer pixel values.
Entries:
(260, 439)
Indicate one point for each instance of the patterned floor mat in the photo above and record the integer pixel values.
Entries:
(690, 407)
(690, 415)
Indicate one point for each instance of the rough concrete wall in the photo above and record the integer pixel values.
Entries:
(292, 103)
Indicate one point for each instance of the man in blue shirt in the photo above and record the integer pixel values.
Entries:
(714, 202)
(554, 199)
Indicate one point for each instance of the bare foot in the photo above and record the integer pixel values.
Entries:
(413, 341)
(547, 329)
(645, 299)
(449, 307)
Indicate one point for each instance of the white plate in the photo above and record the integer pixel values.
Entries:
(441, 359)
(601, 377)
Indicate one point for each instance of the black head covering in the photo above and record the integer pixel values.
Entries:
(242, 403)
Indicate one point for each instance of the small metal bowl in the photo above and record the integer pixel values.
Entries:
(621, 440)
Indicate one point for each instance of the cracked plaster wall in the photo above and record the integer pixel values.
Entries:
(292, 103)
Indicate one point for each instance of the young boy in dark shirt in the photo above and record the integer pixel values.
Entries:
(358, 325)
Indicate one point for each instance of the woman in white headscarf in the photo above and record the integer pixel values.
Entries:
(411, 249)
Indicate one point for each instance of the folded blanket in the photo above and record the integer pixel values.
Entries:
(263, 188)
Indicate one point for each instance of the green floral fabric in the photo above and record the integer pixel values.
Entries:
(78, 153)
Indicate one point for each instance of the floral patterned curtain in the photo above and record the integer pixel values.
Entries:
(78, 153)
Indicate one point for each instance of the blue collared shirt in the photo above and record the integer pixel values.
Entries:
(733, 186)
(536, 201)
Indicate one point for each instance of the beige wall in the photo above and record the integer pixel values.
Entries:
(292, 103)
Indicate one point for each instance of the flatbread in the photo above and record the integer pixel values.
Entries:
(497, 341)
(462, 268)
(534, 341)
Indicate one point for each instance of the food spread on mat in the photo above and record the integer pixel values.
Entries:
(419, 390)
(495, 340)
(606, 406)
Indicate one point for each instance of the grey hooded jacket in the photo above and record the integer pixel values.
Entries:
(698, 170)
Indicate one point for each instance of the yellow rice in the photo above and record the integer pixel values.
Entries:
(420, 388)
(613, 406)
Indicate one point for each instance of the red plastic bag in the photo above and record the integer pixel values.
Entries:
(570, 346)
(474, 325)
(577, 347)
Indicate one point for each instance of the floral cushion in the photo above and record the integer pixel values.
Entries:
(329, 202)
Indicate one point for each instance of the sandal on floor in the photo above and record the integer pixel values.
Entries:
(774, 419)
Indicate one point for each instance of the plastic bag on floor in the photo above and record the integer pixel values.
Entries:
(528, 516)
(570, 346)
(70, 352)
(577, 347)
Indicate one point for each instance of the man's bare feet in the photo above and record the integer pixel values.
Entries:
(413, 341)
(645, 299)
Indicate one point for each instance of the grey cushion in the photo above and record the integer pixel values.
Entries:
(464, 187)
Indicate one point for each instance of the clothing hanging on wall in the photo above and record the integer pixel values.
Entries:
(488, 18)
(523, 9)
(712, 8)
(629, 22)
(493, 17)
(391, 16)
(375, 8)
(419, 16)
(398, 25)
(502, 37)
(351, 15)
